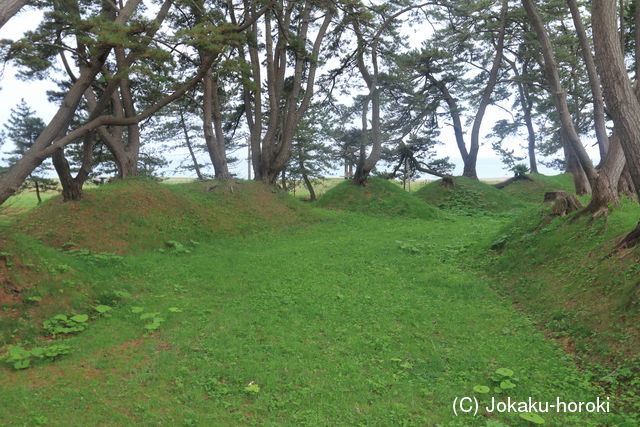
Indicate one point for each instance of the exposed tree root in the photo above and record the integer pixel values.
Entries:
(503, 184)
(630, 240)
(228, 185)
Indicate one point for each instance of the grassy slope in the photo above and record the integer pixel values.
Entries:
(467, 197)
(588, 301)
(533, 191)
(141, 214)
(122, 217)
(386, 334)
(379, 197)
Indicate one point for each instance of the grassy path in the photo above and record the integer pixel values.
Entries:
(356, 320)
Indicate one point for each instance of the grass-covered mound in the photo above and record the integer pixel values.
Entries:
(140, 214)
(533, 190)
(467, 196)
(60, 257)
(566, 275)
(378, 197)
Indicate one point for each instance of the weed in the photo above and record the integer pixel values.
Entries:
(63, 324)
(21, 358)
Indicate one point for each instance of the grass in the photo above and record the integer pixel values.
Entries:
(468, 197)
(299, 328)
(21, 203)
(379, 197)
(587, 298)
(140, 214)
(533, 191)
(288, 314)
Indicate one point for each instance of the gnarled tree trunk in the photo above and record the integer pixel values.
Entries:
(621, 99)
(72, 186)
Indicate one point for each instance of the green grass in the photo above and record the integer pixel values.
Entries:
(304, 316)
(468, 197)
(386, 334)
(140, 214)
(21, 203)
(533, 191)
(563, 273)
(379, 197)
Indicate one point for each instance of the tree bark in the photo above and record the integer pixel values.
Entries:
(212, 124)
(558, 93)
(621, 99)
(605, 187)
(35, 181)
(471, 160)
(288, 102)
(625, 185)
(8, 8)
(187, 141)
(594, 81)
(527, 108)
(580, 181)
(128, 157)
(72, 186)
(307, 181)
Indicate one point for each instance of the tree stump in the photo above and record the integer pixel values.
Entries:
(447, 182)
(563, 202)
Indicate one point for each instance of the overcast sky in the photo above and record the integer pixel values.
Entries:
(13, 90)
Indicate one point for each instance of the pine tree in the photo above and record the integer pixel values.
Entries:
(22, 129)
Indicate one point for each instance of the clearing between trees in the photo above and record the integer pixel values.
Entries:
(250, 307)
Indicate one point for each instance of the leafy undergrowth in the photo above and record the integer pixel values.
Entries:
(467, 197)
(139, 214)
(378, 197)
(301, 328)
(587, 297)
(533, 191)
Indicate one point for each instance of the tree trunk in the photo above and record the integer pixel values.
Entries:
(212, 124)
(604, 191)
(307, 183)
(187, 141)
(367, 163)
(621, 99)
(625, 185)
(35, 181)
(305, 178)
(527, 107)
(126, 161)
(129, 167)
(32, 158)
(471, 160)
(580, 180)
(636, 33)
(71, 190)
(594, 82)
(72, 186)
(8, 8)
(271, 149)
(558, 93)
(454, 112)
